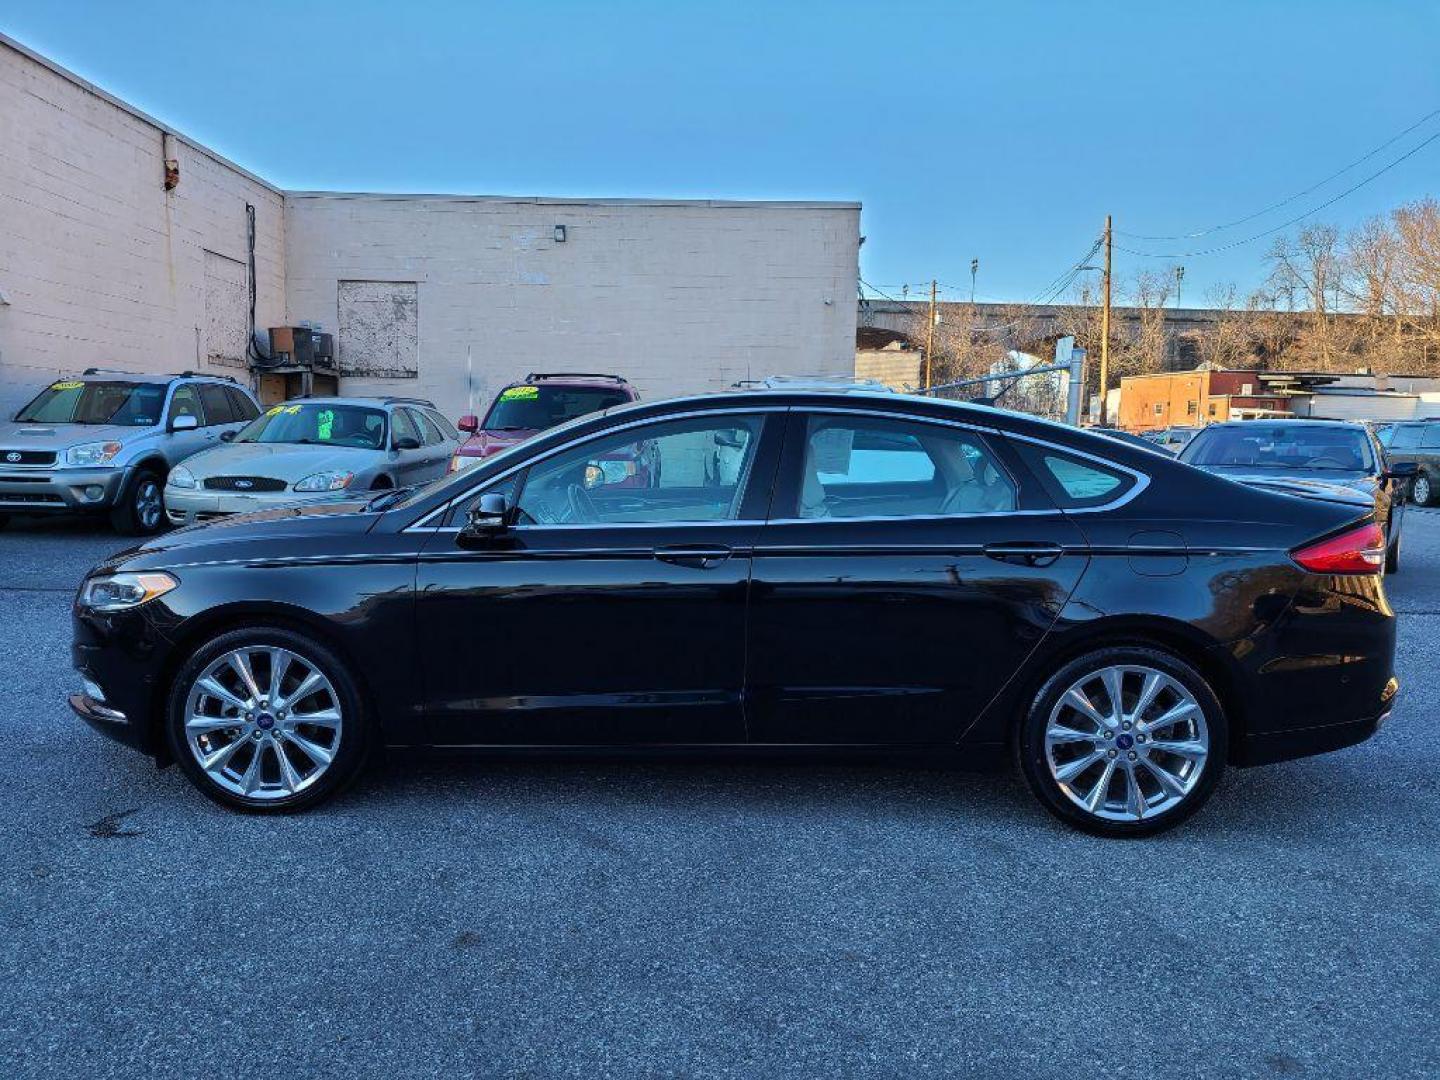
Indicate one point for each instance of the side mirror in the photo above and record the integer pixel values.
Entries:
(185, 423)
(469, 424)
(226, 436)
(1402, 470)
(407, 442)
(487, 518)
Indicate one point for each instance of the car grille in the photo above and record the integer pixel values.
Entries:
(27, 457)
(243, 483)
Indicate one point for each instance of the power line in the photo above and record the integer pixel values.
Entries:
(1285, 224)
(1291, 198)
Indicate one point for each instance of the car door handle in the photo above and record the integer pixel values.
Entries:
(1025, 552)
(698, 556)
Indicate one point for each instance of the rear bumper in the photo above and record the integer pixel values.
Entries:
(1268, 748)
(50, 490)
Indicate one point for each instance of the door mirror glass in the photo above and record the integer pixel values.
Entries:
(185, 422)
(407, 442)
(469, 424)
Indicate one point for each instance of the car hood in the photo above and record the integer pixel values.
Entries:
(485, 443)
(280, 461)
(62, 436)
(269, 533)
(1307, 483)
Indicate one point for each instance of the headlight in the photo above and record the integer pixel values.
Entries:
(117, 592)
(181, 477)
(92, 453)
(324, 481)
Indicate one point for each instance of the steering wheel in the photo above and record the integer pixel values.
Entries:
(582, 507)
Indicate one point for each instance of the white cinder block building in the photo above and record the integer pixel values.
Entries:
(101, 265)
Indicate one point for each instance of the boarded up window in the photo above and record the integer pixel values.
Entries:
(226, 310)
(379, 328)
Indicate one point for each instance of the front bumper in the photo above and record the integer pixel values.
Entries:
(39, 491)
(190, 506)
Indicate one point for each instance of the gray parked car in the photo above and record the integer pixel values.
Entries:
(315, 448)
(104, 441)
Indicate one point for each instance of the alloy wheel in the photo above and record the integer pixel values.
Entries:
(263, 722)
(1420, 491)
(149, 503)
(1126, 742)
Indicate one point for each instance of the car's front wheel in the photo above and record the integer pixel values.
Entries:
(267, 720)
(1124, 742)
(140, 510)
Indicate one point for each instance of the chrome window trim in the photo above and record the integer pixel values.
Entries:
(1142, 480)
(444, 508)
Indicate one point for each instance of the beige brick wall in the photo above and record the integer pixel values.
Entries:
(679, 297)
(100, 265)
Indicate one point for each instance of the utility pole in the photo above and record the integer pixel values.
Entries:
(1105, 328)
(1179, 279)
(974, 269)
(930, 334)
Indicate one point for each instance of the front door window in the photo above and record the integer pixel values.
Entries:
(680, 472)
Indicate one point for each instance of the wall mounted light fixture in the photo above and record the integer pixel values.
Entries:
(559, 234)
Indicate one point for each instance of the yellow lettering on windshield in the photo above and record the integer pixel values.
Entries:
(73, 385)
(519, 393)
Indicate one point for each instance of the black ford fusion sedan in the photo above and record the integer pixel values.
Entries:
(794, 569)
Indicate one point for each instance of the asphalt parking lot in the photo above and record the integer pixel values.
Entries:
(544, 917)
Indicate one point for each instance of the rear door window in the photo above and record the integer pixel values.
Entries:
(402, 427)
(217, 404)
(870, 467)
(1430, 440)
(240, 405)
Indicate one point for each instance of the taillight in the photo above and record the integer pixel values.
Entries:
(1358, 551)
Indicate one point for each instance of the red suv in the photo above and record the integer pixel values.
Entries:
(543, 400)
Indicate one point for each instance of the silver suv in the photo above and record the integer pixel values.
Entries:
(105, 441)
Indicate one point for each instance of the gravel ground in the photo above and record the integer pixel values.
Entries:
(716, 918)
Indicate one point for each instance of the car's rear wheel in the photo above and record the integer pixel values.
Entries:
(1124, 742)
(140, 510)
(1421, 491)
(267, 720)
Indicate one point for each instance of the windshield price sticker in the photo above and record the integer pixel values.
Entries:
(66, 385)
(519, 393)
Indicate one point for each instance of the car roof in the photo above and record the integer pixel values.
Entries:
(1294, 421)
(560, 378)
(367, 402)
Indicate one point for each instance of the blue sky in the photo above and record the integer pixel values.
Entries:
(998, 131)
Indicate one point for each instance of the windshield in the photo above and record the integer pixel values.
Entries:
(535, 408)
(1257, 445)
(326, 424)
(74, 402)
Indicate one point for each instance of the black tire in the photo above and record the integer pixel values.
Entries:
(140, 510)
(1422, 490)
(1035, 765)
(4, 520)
(1392, 557)
(354, 738)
